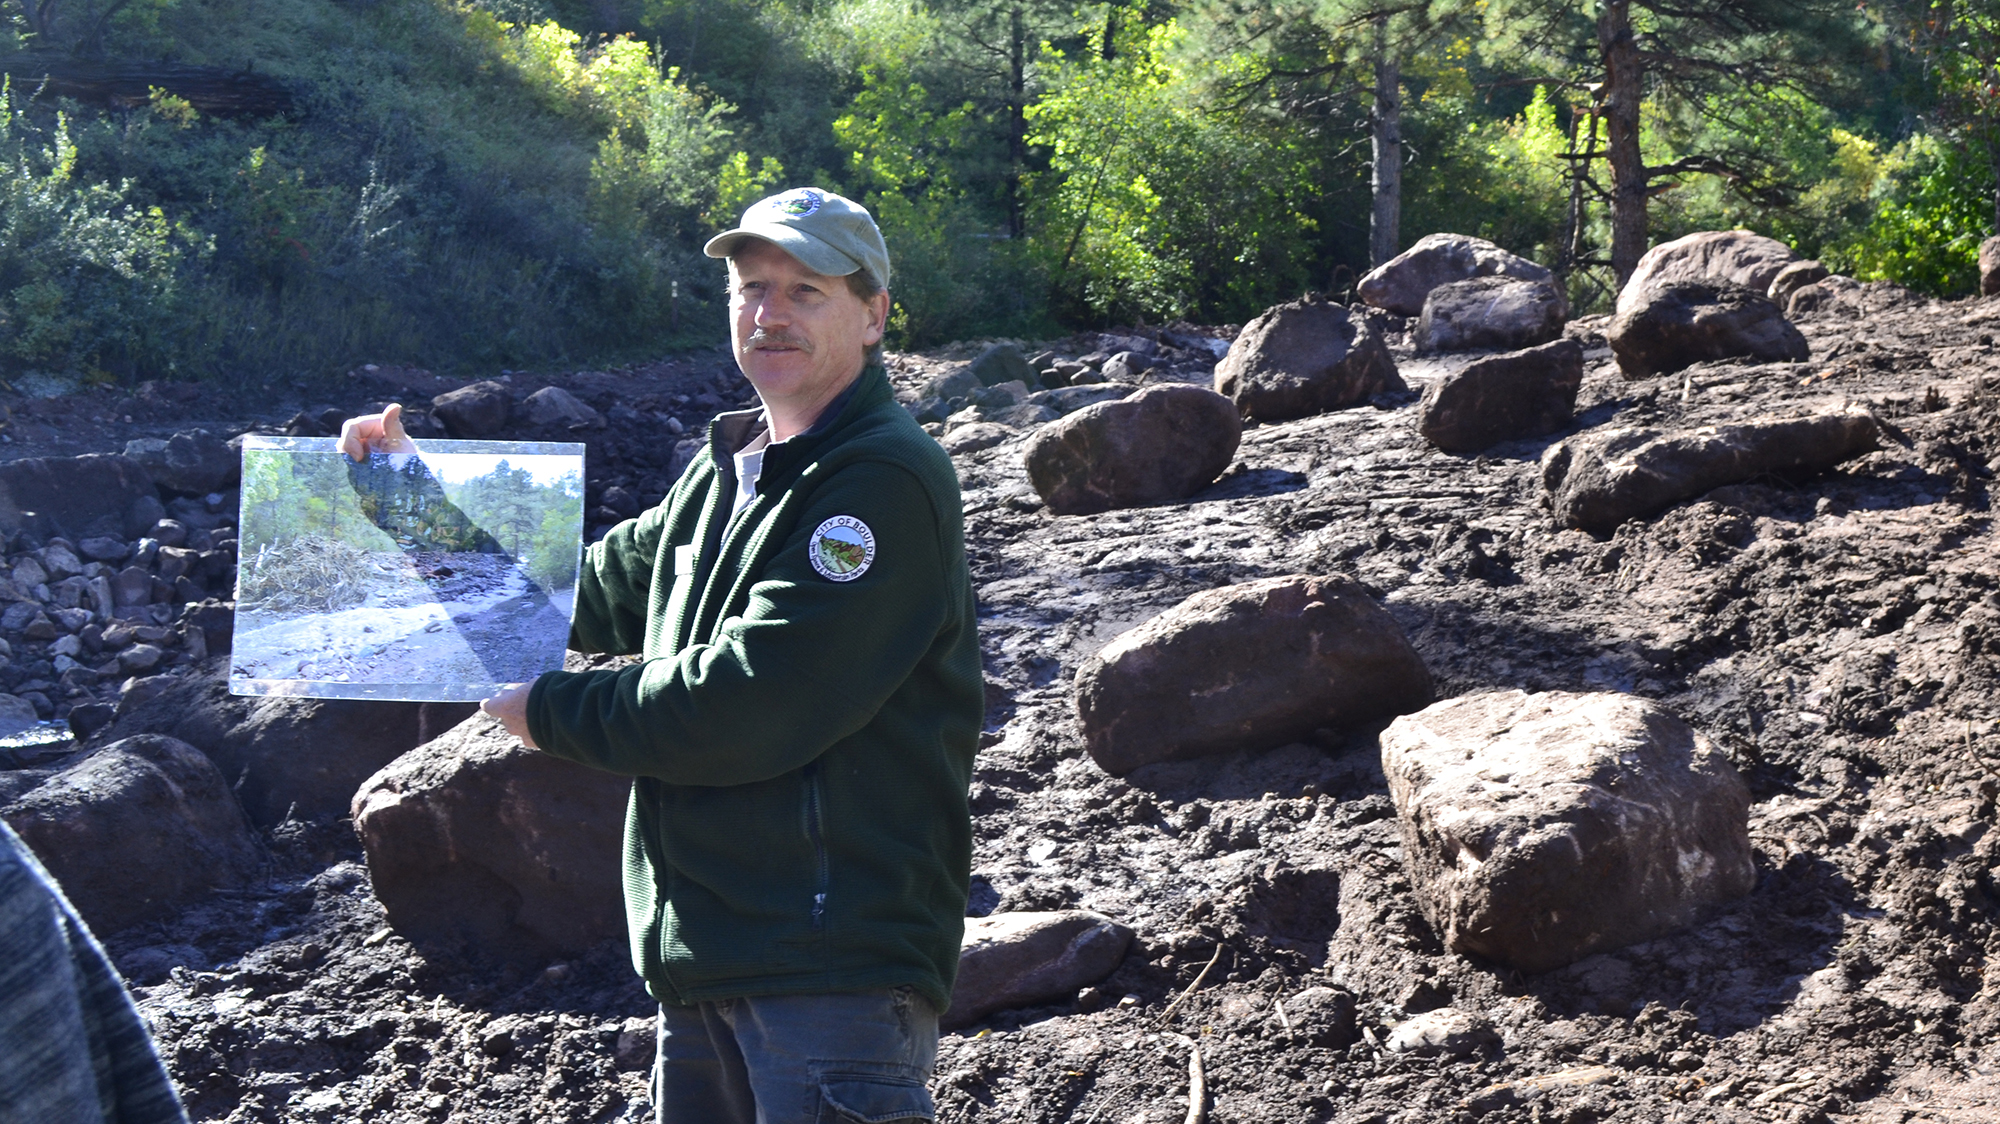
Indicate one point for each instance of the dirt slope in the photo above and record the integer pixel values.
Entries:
(1836, 635)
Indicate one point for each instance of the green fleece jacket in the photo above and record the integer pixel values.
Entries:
(801, 736)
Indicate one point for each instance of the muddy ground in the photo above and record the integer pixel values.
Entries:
(1836, 635)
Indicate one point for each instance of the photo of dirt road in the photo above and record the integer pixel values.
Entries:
(433, 578)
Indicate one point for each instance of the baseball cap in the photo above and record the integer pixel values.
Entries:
(830, 234)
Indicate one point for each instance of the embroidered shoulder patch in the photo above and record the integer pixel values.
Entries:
(842, 548)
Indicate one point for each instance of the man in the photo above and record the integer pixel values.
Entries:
(802, 726)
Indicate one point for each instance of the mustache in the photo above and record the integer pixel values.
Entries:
(762, 337)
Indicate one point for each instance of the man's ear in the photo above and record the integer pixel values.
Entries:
(878, 318)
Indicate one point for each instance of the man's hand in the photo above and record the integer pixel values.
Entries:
(511, 708)
(376, 433)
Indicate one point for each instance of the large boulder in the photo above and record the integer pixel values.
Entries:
(1599, 479)
(477, 410)
(1161, 444)
(1683, 323)
(1021, 959)
(285, 757)
(137, 830)
(475, 840)
(94, 494)
(1989, 266)
(1540, 829)
(1491, 312)
(554, 406)
(195, 462)
(1721, 258)
(1400, 284)
(1305, 357)
(1002, 363)
(1503, 397)
(1247, 666)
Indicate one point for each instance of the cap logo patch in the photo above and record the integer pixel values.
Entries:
(799, 203)
(842, 548)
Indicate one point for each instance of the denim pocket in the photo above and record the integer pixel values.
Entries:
(848, 1098)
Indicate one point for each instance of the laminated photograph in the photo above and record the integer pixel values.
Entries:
(436, 576)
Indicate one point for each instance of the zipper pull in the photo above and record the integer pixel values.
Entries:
(819, 909)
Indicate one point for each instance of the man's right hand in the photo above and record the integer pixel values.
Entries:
(376, 433)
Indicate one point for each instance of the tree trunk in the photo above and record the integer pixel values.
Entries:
(1386, 187)
(1017, 124)
(1623, 83)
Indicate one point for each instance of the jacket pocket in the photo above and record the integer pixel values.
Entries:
(816, 834)
(847, 1098)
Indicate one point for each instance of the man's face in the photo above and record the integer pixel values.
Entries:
(800, 336)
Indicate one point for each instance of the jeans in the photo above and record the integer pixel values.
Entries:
(840, 1058)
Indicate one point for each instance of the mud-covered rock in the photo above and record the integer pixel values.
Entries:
(478, 410)
(1718, 258)
(1021, 959)
(554, 406)
(1679, 324)
(1491, 312)
(1400, 284)
(1541, 828)
(1305, 357)
(1446, 1032)
(1320, 1016)
(1161, 444)
(476, 841)
(977, 436)
(193, 462)
(1599, 479)
(1518, 394)
(1247, 666)
(1070, 399)
(1825, 295)
(1989, 266)
(138, 829)
(92, 494)
(1794, 277)
(16, 715)
(1001, 363)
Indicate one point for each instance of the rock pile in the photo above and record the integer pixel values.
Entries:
(1538, 829)
(86, 611)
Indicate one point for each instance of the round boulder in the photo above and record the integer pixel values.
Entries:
(1737, 258)
(475, 839)
(1247, 666)
(1677, 325)
(137, 830)
(478, 410)
(1012, 960)
(1306, 357)
(1503, 397)
(1159, 445)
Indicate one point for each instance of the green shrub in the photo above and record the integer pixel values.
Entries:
(1934, 206)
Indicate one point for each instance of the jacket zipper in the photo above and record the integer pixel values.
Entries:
(814, 832)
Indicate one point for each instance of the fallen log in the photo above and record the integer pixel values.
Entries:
(217, 90)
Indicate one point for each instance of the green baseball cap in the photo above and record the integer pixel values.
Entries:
(828, 233)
